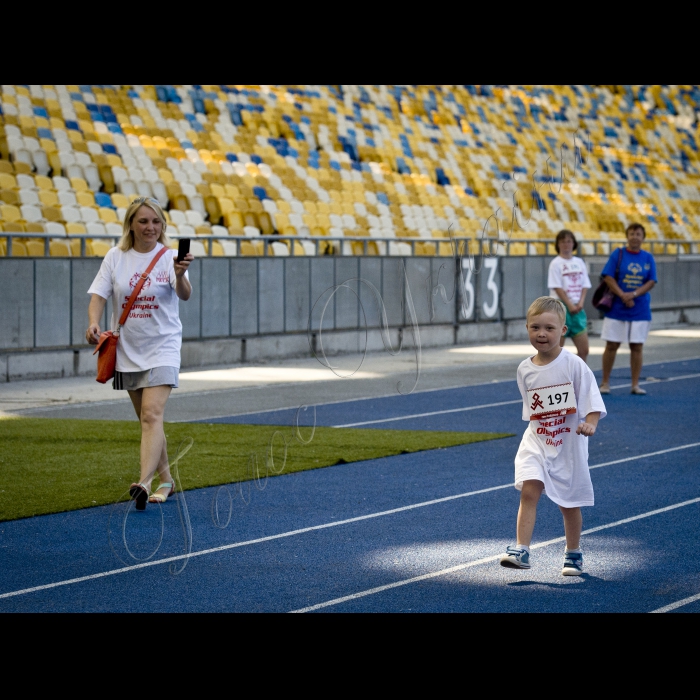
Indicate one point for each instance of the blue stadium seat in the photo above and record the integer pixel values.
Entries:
(103, 200)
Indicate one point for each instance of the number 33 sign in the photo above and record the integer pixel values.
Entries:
(550, 401)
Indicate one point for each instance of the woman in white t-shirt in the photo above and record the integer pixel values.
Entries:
(568, 280)
(148, 353)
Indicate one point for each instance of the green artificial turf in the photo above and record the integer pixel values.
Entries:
(50, 466)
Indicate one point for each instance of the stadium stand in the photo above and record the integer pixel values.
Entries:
(351, 170)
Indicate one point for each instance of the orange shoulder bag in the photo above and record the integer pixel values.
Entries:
(107, 345)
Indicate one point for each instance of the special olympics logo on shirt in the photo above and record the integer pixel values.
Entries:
(635, 268)
(135, 280)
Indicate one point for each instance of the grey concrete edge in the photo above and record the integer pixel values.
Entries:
(74, 362)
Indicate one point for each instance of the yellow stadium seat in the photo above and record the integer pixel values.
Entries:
(9, 213)
(217, 190)
(120, 200)
(52, 213)
(85, 198)
(425, 248)
(19, 249)
(9, 197)
(48, 198)
(234, 219)
(75, 246)
(7, 181)
(59, 249)
(101, 248)
(35, 249)
(78, 184)
(252, 247)
(108, 215)
(266, 226)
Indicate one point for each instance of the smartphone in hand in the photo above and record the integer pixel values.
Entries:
(183, 247)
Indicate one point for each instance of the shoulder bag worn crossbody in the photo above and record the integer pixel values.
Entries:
(107, 345)
(603, 297)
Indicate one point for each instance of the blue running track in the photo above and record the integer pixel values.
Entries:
(420, 532)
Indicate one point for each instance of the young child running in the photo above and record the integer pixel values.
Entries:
(558, 391)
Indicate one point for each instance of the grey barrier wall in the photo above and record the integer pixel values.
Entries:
(45, 301)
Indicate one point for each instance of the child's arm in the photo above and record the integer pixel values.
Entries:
(587, 429)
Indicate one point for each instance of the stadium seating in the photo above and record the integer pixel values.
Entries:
(414, 164)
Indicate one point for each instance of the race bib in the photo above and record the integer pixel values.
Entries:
(550, 401)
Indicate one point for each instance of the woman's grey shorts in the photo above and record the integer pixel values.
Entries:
(158, 376)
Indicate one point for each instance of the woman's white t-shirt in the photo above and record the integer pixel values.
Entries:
(152, 334)
(550, 450)
(570, 275)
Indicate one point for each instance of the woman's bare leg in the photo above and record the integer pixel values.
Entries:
(608, 361)
(636, 361)
(149, 404)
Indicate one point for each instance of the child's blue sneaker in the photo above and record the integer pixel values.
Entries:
(573, 564)
(516, 558)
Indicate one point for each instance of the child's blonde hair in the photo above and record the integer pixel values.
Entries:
(543, 305)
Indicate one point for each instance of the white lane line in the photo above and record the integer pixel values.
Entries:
(657, 381)
(648, 454)
(487, 405)
(359, 398)
(485, 560)
(431, 413)
(311, 528)
(677, 604)
(258, 540)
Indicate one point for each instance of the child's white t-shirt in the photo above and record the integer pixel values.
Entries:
(570, 275)
(152, 334)
(550, 450)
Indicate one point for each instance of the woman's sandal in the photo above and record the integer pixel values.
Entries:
(160, 497)
(139, 493)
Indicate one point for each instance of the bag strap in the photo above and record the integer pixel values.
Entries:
(619, 262)
(137, 288)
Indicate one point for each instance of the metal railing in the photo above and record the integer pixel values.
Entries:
(330, 245)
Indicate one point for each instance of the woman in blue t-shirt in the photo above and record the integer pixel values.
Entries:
(629, 319)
